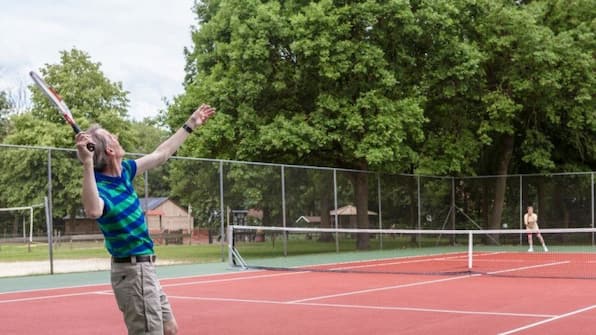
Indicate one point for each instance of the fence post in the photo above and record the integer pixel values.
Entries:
(521, 208)
(48, 203)
(283, 208)
(380, 215)
(146, 207)
(592, 196)
(453, 208)
(49, 234)
(419, 209)
(221, 212)
(335, 208)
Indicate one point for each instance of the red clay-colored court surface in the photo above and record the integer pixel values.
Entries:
(296, 302)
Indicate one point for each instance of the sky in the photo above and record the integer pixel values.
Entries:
(138, 43)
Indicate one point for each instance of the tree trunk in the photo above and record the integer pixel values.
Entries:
(485, 203)
(15, 226)
(413, 192)
(505, 153)
(325, 204)
(361, 189)
(541, 207)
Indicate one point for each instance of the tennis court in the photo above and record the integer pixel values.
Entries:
(316, 301)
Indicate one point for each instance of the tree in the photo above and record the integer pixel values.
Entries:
(538, 87)
(509, 89)
(448, 87)
(5, 110)
(92, 98)
(308, 83)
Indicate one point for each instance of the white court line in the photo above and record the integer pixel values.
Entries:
(528, 267)
(220, 280)
(385, 308)
(385, 288)
(414, 258)
(236, 279)
(108, 284)
(109, 292)
(53, 289)
(513, 331)
(384, 263)
(48, 297)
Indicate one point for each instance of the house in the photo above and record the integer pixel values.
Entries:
(80, 225)
(346, 216)
(162, 215)
(165, 215)
(306, 220)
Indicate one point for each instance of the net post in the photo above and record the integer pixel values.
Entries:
(233, 254)
(470, 249)
(230, 245)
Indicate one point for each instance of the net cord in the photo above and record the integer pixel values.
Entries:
(411, 231)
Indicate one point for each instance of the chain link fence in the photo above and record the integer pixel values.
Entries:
(189, 202)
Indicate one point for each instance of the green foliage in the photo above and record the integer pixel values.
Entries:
(431, 87)
(527, 70)
(91, 98)
(5, 108)
(401, 86)
(302, 82)
(361, 85)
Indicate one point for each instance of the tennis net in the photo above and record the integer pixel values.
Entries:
(571, 253)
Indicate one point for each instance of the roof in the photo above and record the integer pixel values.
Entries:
(151, 203)
(348, 210)
(309, 219)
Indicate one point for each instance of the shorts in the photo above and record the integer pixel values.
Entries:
(533, 229)
(140, 297)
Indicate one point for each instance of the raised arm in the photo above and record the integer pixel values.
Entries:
(167, 148)
(92, 203)
(526, 219)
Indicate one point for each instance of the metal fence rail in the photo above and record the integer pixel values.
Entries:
(217, 193)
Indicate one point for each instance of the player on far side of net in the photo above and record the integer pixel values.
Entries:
(108, 196)
(531, 222)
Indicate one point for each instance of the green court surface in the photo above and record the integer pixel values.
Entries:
(25, 283)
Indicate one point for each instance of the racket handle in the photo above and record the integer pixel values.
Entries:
(76, 129)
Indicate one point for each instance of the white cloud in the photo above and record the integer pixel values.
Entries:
(138, 43)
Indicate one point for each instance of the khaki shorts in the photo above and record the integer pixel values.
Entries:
(140, 298)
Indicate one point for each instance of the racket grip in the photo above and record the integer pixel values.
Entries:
(75, 128)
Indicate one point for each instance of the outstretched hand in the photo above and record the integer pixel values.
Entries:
(201, 115)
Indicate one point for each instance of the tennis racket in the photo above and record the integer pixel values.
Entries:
(56, 99)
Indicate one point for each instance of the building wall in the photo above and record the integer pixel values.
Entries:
(173, 217)
(81, 226)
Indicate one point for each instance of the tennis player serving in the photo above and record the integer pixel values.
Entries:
(109, 196)
(531, 222)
